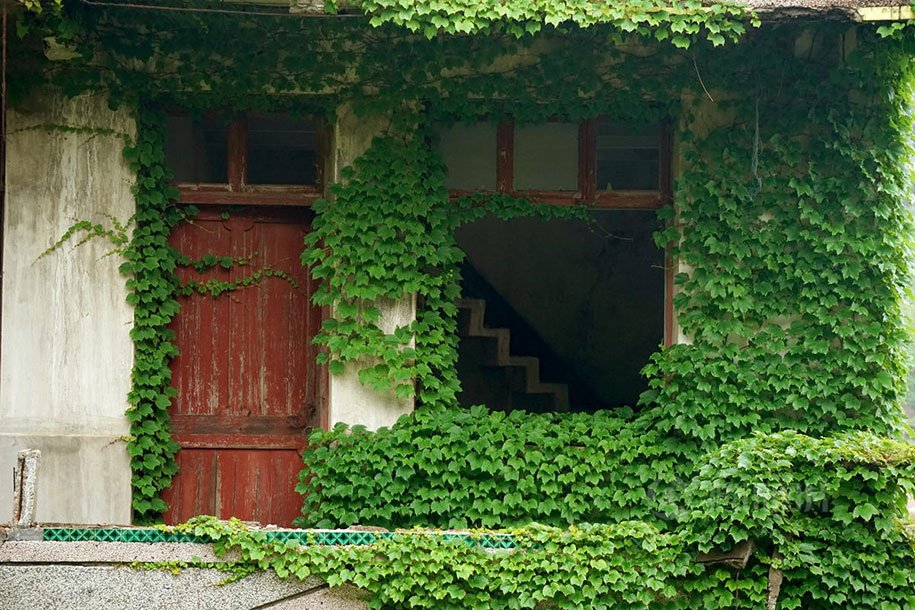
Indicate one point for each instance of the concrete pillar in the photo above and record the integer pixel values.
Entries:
(705, 115)
(65, 351)
(348, 400)
(25, 493)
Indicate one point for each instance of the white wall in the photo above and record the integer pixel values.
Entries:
(66, 353)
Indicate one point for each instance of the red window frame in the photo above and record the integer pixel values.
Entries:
(238, 192)
(587, 192)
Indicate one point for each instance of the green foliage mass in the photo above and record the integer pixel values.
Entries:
(829, 512)
(758, 484)
(584, 567)
(150, 264)
(387, 235)
(833, 510)
(790, 220)
(477, 468)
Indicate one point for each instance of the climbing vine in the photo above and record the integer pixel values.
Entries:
(792, 227)
(678, 22)
(150, 264)
(577, 568)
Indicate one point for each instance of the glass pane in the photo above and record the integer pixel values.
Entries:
(469, 152)
(197, 150)
(627, 159)
(546, 157)
(281, 151)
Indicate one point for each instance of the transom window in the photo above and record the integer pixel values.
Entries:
(257, 158)
(605, 164)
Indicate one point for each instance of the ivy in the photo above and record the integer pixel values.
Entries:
(773, 486)
(678, 22)
(215, 287)
(831, 513)
(579, 568)
(116, 235)
(149, 264)
(209, 261)
(438, 467)
(770, 424)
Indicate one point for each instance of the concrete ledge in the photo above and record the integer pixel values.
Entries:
(91, 587)
(38, 575)
(32, 552)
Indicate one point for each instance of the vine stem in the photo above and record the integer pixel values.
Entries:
(701, 82)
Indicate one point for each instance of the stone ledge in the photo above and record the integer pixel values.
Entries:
(96, 587)
(32, 552)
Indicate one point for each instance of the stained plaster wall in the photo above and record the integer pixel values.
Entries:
(66, 353)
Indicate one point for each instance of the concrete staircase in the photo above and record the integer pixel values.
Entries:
(522, 373)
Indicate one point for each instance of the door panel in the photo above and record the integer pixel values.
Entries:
(245, 377)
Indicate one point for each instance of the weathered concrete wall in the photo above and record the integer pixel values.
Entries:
(66, 351)
(348, 400)
(99, 576)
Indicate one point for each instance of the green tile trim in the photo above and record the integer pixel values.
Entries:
(305, 537)
(106, 534)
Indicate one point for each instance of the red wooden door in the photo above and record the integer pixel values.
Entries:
(245, 377)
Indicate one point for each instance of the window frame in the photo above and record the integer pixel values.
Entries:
(587, 193)
(237, 191)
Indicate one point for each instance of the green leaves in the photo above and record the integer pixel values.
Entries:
(387, 237)
(769, 425)
(719, 21)
(149, 265)
(793, 245)
(455, 468)
(625, 565)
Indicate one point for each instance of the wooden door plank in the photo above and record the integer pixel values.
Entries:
(194, 491)
(246, 375)
(198, 375)
(292, 425)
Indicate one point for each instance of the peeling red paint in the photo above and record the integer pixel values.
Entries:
(246, 377)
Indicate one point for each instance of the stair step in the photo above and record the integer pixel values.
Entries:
(471, 323)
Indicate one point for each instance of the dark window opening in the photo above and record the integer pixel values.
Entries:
(572, 311)
(196, 150)
(281, 151)
(626, 158)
